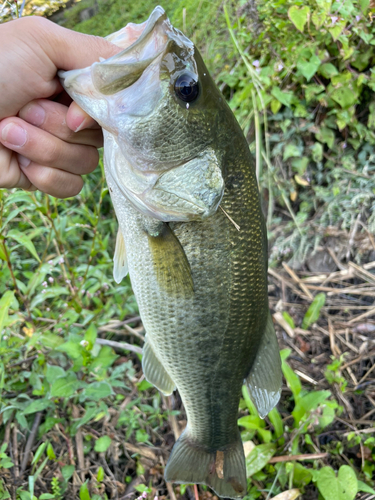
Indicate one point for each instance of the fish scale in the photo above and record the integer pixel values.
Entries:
(199, 272)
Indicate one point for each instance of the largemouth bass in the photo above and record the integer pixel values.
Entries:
(192, 236)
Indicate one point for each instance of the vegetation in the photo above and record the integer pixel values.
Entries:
(77, 418)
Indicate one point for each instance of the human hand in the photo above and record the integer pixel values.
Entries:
(48, 146)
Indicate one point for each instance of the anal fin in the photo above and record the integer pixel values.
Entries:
(120, 263)
(265, 377)
(155, 372)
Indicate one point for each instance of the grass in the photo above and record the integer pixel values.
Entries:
(77, 418)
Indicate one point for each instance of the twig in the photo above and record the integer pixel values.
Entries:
(296, 279)
(230, 218)
(291, 458)
(15, 452)
(196, 494)
(120, 345)
(279, 318)
(30, 442)
(79, 445)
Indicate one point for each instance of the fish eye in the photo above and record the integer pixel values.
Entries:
(186, 87)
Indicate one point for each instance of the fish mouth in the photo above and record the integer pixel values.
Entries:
(142, 44)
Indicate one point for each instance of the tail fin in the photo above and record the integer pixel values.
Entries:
(223, 470)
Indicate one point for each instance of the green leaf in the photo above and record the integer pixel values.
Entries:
(275, 106)
(90, 335)
(50, 452)
(344, 95)
(307, 403)
(98, 390)
(24, 241)
(337, 29)
(288, 319)
(301, 475)
(5, 302)
(102, 444)
(100, 475)
(259, 458)
(54, 372)
(299, 16)
(67, 472)
(290, 151)
(38, 405)
(84, 492)
(365, 487)
(292, 380)
(364, 5)
(285, 98)
(318, 19)
(277, 422)
(326, 135)
(39, 452)
(313, 312)
(328, 70)
(309, 68)
(343, 487)
(65, 387)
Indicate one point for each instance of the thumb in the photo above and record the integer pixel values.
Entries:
(71, 50)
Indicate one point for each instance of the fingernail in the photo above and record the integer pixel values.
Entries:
(34, 114)
(23, 161)
(14, 134)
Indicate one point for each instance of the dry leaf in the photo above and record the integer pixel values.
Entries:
(287, 495)
(247, 447)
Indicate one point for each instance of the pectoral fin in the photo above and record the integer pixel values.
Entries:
(264, 379)
(154, 371)
(120, 263)
(170, 262)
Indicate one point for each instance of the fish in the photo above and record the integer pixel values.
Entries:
(192, 237)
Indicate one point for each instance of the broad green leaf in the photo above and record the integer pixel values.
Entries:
(364, 5)
(65, 387)
(301, 475)
(259, 458)
(288, 319)
(275, 106)
(318, 19)
(299, 16)
(102, 444)
(313, 312)
(307, 403)
(38, 405)
(345, 96)
(328, 70)
(290, 151)
(5, 302)
(54, 372)
(67, 471)
(2, 250)
(309, 68)
(24, 241)
(72, 348)
(343, 487)
(325, 5)
(285, 98)
(98, 390)
(337, 29)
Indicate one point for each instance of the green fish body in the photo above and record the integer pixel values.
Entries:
(192, 237)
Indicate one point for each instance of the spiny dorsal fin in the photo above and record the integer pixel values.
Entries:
(120, 263)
